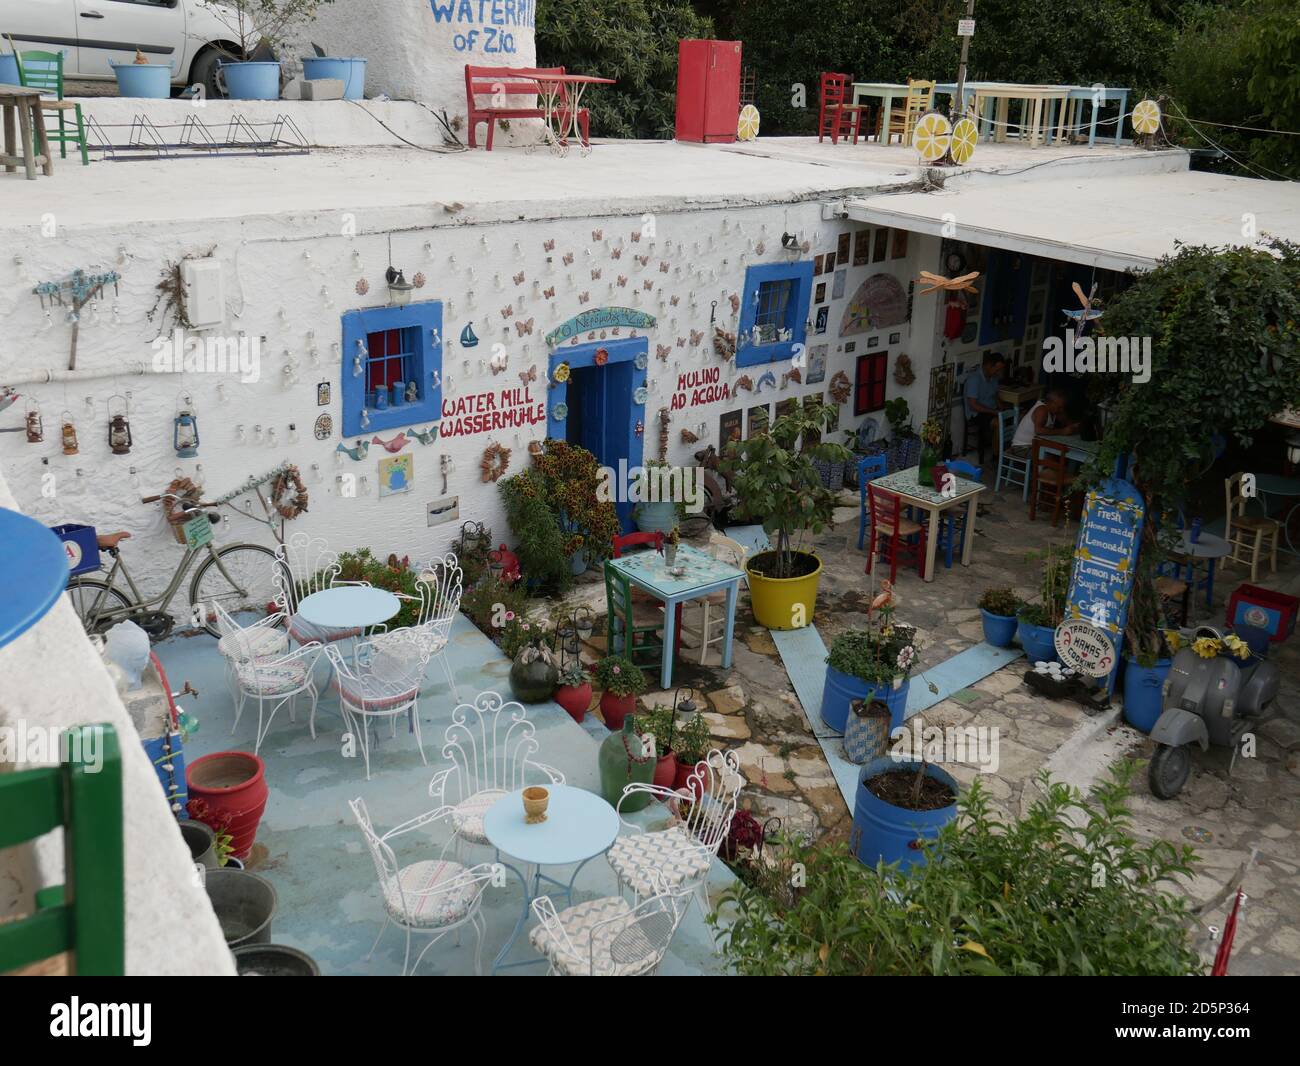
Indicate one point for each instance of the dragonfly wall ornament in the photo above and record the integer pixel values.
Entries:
(937, 282)
(1087, 312)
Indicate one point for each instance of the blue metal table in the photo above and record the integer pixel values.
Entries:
(349, 607)
(579, 826)
(704, 574)
(35, 572)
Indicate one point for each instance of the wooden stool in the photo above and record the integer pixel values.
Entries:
(31, 123)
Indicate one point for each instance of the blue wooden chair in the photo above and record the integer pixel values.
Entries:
(952, 523)
(870, 467)
(1012, 469)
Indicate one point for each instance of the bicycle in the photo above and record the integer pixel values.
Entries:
(238, 576)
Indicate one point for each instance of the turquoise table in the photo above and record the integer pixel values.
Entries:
(704, 574)
(907, 486)
(1099, 96)
(349, 607)
(1275, 485)
(35, 573)
(579, 826)
(1078, 449)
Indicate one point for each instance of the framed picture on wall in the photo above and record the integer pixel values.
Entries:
(861, 247)
(786, 407)
(730, 427)
(817, 266)
(822, 314)
(842, 247)
(828, 263)
(899, 249)
(895, 338)
(851, 347)
(837, 289)
(880, 246)
(760, 418)
(819, 297)
(816, 365)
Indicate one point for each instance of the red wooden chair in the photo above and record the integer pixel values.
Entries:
(891, 531)
(836, 115)
(497, 81)
(655, 540)
(1050, 478)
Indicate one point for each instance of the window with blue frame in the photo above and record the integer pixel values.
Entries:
(392, 367)
(773, 312)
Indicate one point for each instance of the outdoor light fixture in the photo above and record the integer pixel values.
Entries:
(1293, 449)
(399, 289)
(185, 434)
(789, 242)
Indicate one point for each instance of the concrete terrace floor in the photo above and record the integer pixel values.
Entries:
(310, 848)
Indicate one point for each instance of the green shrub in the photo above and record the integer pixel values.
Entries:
(541, 544)
(619, 676)
(491, 602)
(361, 565)
(877, 654)
(1000, 601)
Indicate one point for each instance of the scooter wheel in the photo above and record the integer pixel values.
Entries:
(1169, 769)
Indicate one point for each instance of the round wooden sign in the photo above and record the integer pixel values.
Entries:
(1085, 647)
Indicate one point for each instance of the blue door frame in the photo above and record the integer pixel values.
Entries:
(615, 404)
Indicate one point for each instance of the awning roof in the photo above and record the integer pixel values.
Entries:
(1115, 222)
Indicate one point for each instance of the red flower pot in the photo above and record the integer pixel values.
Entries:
(684, 770)
(232, 786)
(615, 708)
(575, 699)
(666, 770)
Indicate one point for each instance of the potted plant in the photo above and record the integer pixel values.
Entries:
(533, 671)
(257, 28)
(998, 607)
(670, 546)
(574, 690)
(653, 515)
(142, 79)
(904, 445)
(900, 802)
(872, 662)
(779, 486)
(692, 743)
(1037, 622)
(228, 792)
(745, 831)
(1144, 679)
(621, 681)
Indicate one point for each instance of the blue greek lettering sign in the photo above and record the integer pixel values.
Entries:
(487, 23)
(599, 318)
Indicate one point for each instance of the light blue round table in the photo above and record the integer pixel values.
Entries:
(349, 607)
(579, 826)
(33, 573)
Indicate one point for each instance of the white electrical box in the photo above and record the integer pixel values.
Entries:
(205, 292)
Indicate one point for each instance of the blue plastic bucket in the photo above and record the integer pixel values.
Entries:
(147, 81)
(252, 81)
(1142, 692)
(885, 833)
(1039, 642)
(350, 71)
(999, 629)
(841, 689)
(9, 70)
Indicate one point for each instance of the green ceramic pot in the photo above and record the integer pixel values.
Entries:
(533, 682)
(625, 757)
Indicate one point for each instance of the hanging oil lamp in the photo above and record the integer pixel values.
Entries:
(35, 428)
(69, 434)
(185, 432)
(119, 429)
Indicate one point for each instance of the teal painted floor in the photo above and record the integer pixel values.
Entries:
(329, 904)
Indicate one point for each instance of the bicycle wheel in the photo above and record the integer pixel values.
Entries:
(95, 602)
(247, 593)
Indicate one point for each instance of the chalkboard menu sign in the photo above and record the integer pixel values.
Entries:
(1104, 557)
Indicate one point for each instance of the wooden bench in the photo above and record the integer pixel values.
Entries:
(497, 82)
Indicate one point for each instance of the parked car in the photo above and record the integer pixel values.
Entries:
(91, 34)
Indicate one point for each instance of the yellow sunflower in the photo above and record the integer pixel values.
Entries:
(1206, 647)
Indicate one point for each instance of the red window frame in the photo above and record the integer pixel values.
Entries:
(871, 372)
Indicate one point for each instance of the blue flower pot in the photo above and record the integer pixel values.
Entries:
(9, 70)
(885, 833)
(1142, 692)
(655, 517)
(252, 81)
(1039, 642)
(842, 689)
(578, 563)
(999, 629)
(147, 81)
(350, 71)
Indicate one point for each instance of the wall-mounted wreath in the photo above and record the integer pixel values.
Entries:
(288, 493)
(840, 387)
(495, 462)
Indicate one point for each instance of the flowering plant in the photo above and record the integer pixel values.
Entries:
(932, 432)
(619, 676)
(880, 652)
(1211, 647)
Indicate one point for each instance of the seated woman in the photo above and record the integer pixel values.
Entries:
(1046, 416)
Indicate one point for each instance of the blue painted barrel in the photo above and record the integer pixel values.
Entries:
(842, 689)
(146, 81)
(1143, 692)
(885, 833)
(9, 70)
(350, 70)
(252, 80)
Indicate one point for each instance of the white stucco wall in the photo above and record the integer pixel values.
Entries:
(54, 679)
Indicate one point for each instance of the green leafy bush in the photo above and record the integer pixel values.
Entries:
(491, 603)
(1064, 891)
(361, 565)
(540, 542)
(877, 654)
(619, 676)
(1000, 601)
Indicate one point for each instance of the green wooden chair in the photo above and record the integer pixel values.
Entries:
(86, 915)
(635, 623)
(44, 71)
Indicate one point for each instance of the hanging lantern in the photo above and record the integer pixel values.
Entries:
(69, 434)
(119, 429)
(35, 428)
(399, 289)
(185, 434)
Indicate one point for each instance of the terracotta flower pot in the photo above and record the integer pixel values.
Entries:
(666, 770)
(615, 708)
(684, 770)
(575, 699)
(232, 785)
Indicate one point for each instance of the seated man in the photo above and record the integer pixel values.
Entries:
(980, 397)
(1046, 416)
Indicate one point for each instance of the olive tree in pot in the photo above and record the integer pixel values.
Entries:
(780, 487)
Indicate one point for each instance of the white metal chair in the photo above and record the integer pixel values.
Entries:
(433, 896)
(646, 861)
(382, 681)
(490, 744)
(304, 565)
(705, 619)
(608, 937)
(264, 638)
(438, 592)
(276, 679)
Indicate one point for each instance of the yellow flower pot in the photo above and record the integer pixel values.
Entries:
(783, 602)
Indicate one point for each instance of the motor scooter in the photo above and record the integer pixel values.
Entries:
(1208, 701)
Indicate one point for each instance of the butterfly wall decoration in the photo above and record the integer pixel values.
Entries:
(616, 253)
(597, 234)
(567, 259)
(595, 274)
(697, 335)
(622, 281)
(662, 351)
(548, 246)
(583, 297)
(549, 293)
(525, 376)
(643, 259)
(524, 327)
(519, 278)
(636, 236)
(508, 311)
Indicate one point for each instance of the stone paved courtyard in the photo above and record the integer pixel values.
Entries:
(753, 709)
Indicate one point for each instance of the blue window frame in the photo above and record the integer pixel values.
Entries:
(381, 347)
(774, 306)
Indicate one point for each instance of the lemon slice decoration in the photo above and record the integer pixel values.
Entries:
(747, 125)
(964, 135)
(932, 136)
(1146, 117)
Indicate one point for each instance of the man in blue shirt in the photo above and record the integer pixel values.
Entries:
(980, 397)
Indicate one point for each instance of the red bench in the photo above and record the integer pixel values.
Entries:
(498, 81)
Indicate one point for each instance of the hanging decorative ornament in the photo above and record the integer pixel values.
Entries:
(362, 286)
(288, 493)
(932, 136)
(185, 431)
(639, 428)
(688, 437)
(602, 356)
(639, 397)
(664, 419)
(640, 361)
(561, 374)
(35, 427)
(744, 382)
(69, 434)
(419, 279)
(840, 387)
(119, 428)
(467, 337)
(560, 412)
(904, 375)
(495, 462)
(965, 134)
